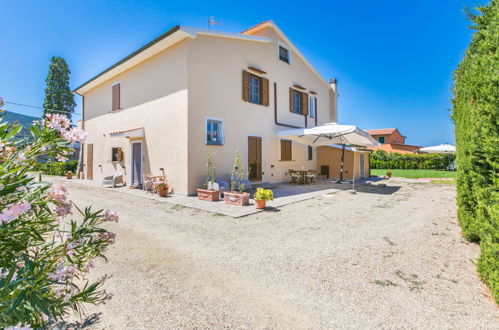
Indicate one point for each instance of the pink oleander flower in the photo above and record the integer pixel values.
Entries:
(90, 264)
(56, 121)
(13, 212)
(112, 215)
(64, 208)
(74, 134)
(62, 273)
(57, 193)
(108, 236)
(65, 292)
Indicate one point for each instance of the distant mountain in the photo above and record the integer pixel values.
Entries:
(23, 120)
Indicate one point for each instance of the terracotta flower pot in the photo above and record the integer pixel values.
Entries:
(69, 176)
(208, 195)
(236, 198)
(260, 204)
(163, 193)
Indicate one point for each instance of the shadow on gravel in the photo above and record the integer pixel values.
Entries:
(377, 189)
(87, 322)
(271, 209)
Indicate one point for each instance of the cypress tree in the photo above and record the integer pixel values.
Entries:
(58, 96)
(476, 116)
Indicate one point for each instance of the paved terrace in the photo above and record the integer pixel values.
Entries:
(283, 194)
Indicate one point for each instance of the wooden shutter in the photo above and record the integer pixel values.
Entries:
(246, 85)
(286, 153)
(310, 153)
(304, 103)
(264, 85)
(116, 97)
(291, 100)
(315, 103)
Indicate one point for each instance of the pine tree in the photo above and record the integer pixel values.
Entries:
(58, 96)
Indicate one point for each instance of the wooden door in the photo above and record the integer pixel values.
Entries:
(90, 161)
(255, 158)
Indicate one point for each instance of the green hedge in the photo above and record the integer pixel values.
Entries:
(475, 114)
(383, 160)
(57, 168)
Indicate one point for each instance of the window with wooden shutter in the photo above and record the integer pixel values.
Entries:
(116, 97)
(255, 89)
(304, 103)
(286, 150)
(265, 91)
(117, 154)
(310, 152)
(246, 85)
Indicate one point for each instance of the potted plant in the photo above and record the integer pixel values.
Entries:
(162, 189)
(262, 196)
(209, 193)
(389, 174)
(237, 196)
(69, 175)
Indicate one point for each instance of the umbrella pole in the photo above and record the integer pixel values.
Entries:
(342, 160)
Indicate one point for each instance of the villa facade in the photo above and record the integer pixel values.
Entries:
(191, 92)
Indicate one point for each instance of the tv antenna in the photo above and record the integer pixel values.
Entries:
(211, 21)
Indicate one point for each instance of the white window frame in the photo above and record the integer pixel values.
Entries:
(259, 101)
(311, 106)
(280, 44)
(221, 121)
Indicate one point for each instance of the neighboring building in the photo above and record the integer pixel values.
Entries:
(391, 141)
(193, 91)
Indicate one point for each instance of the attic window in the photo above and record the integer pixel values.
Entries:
(284, 53)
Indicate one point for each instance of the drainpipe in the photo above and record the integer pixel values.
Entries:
(333, 97)
(82, 145)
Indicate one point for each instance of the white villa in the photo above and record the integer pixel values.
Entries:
(192, 91)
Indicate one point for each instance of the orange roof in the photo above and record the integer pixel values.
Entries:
(381, 131)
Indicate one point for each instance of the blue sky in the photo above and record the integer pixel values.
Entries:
(393, 59)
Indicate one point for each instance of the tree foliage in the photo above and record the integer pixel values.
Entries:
(58, 96)
(475, 114)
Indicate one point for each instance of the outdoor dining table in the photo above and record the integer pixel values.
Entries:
(302, 177)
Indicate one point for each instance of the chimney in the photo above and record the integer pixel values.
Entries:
(333, 100)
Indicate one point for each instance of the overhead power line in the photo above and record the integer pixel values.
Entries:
(37, 107)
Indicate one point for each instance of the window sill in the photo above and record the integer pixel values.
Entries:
(215, 144)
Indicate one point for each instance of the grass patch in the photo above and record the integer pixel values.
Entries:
(385, 283)
(216, 215)
(411, 280)
(177, 207)
(415, 174)
(389, 241)
(449, 182)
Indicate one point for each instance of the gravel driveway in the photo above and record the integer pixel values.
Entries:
(386, 258)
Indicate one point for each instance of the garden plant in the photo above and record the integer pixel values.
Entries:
(48, 244)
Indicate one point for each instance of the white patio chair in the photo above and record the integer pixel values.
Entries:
(113, 180)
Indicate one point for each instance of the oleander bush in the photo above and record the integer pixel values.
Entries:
(475, 114)
(381, 159)
(47, 243)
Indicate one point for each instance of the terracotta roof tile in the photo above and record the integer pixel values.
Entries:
(381, 131)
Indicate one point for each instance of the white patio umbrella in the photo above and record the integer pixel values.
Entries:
(440, 149)
(331, 133)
